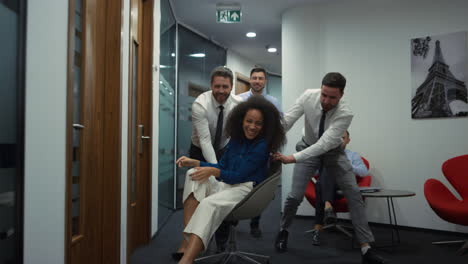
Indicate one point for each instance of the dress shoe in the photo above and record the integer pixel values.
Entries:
(177, 255)
(255, 231)
(316, 237)
(330, 216)
(281, 243)
(371, 257)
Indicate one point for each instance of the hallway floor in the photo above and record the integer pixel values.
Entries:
(415, 247)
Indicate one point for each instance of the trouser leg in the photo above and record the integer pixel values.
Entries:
(301, 176)
(319, 205)
(336, 163)
(327, 183)
(255, 222)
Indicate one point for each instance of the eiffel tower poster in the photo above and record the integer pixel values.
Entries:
(438, 72)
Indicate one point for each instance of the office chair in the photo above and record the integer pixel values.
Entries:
(444, 203)
(251, 206)
(340, 205)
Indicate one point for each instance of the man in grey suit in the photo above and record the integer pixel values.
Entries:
(327, 118)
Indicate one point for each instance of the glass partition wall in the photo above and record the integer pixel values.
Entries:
(167, 84)
(12, 19)
(186, 61)
(197, 56)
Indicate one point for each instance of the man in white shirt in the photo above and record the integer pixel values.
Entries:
(209, 110)
(258, 80)
(327, 117)
(209, 115)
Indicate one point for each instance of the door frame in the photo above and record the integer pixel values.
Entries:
(145, 76)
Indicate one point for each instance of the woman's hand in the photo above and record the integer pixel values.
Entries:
(284, 159)
(203, 173)
(187, 162)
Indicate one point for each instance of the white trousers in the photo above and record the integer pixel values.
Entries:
(217, 199)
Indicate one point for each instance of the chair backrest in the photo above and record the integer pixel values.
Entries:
(456, 172)
(366, 162)
(258, 199)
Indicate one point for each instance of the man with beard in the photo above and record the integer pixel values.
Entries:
(209, 113)
(258, 80)
(326, 118)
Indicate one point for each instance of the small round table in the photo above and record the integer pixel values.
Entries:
(389, 195)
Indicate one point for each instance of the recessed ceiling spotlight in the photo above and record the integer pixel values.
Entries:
(251, 34)
(271, 49)
(173, 54)
(197, 55)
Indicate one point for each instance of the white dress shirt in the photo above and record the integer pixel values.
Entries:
(205, 111)
(337, 122)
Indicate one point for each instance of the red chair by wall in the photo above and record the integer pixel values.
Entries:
(341, 204)
(443, 202)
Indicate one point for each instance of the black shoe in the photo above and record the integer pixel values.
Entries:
(255, 231)
(316, 237)
(330, 216)
(372, 258)
(281, 243)
(177, 255)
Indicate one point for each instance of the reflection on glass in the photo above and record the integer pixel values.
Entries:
(9, 145)
(167, 82)
(77, 122)
(134, 122)
(194, 79)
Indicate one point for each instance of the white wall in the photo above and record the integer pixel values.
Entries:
(369, 42)
(46, 88)
(238, 64)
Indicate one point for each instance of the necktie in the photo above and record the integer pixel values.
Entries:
(219, 128)
(322, 124)
(320, 133)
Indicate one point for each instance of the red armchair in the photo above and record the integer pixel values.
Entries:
(340, 205)
(443, 202)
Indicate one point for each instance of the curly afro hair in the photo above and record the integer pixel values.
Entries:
(272, 131)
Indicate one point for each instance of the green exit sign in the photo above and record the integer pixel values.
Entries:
(228, 16)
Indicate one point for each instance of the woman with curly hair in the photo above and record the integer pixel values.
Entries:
(255, 129)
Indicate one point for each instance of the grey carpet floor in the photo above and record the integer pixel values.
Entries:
(415, 245)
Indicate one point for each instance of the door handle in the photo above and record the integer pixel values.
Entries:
(78, 126)
(141, 129)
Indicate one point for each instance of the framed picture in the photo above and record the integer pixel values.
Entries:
(438, 76)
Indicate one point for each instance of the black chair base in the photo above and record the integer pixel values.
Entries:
(338, 227)
(232, 255)
(235, 257)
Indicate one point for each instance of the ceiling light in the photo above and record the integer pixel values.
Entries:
(173, 54)
(271, 49)
(251, 34)
(197, 55)
(163, 66)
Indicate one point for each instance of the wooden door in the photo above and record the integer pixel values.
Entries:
(140, 124)
(93, 133)
(242, 83)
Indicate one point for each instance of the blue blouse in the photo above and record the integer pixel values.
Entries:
(243, 161)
